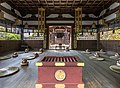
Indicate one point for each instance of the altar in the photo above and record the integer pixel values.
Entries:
(60, 72)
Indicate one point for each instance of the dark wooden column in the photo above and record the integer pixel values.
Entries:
(6, 26)
(47, 36)
(98, 36)
(22, 31)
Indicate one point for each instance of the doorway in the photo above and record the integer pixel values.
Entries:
(60, 37)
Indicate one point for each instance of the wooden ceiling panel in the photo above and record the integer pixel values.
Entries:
(89, 6)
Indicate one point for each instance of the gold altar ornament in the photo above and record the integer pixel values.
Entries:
(60, 75)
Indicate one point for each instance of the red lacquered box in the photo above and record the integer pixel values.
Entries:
(60, 72)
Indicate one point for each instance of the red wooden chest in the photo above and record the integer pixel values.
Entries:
(60, 72)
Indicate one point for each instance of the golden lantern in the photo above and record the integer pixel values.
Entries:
(26, 25)
(93, 25)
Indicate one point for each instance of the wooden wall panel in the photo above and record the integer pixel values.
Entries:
(87, 44)
(110, 45)
(7, 46)
(34, 44)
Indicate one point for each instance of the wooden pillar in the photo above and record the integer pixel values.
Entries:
(11, 28)
(41, 25)
(22, 31)
(78, 25)
(47, 37)
(6, 26)
(98, 36)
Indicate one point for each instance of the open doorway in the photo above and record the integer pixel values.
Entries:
(60, 37)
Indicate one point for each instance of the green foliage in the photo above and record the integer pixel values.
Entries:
(9, 36)
(2, 29)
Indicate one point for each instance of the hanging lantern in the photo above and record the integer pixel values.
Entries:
(26, 25)
(102, 21)
(14, 25)
(1, 15)
(93, 25)
(18, 22)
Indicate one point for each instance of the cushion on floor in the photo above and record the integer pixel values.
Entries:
(29, 57)
(96, 58)
(115, 68)
(85, 52)
(8, 71)
(5, 57)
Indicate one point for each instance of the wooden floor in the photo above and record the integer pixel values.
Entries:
(96, 74)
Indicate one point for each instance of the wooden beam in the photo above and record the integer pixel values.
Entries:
(66, 2)
(93, 3)
(108, 4)
(98, 10)
(46, 3)
(34, 3)
(60, 3)
(100, 2)
(73, 3)
(27, 5)
(110, 12)
(40, 4)
(60, 24)
(86, 3)
(53, 3)
(21, 10)
(59, 19)
(10, 12)
(14, 7)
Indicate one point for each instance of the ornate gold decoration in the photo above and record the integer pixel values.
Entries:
(41, 20)
(78, 20)
(39, 64)
(60, 75)
(80, 64)
(59, 64)
(80, 86)
(59, 85)
(38, 86)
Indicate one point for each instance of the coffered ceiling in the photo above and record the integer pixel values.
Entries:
(59, 6)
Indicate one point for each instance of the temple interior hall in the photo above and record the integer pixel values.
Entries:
(59, 43)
